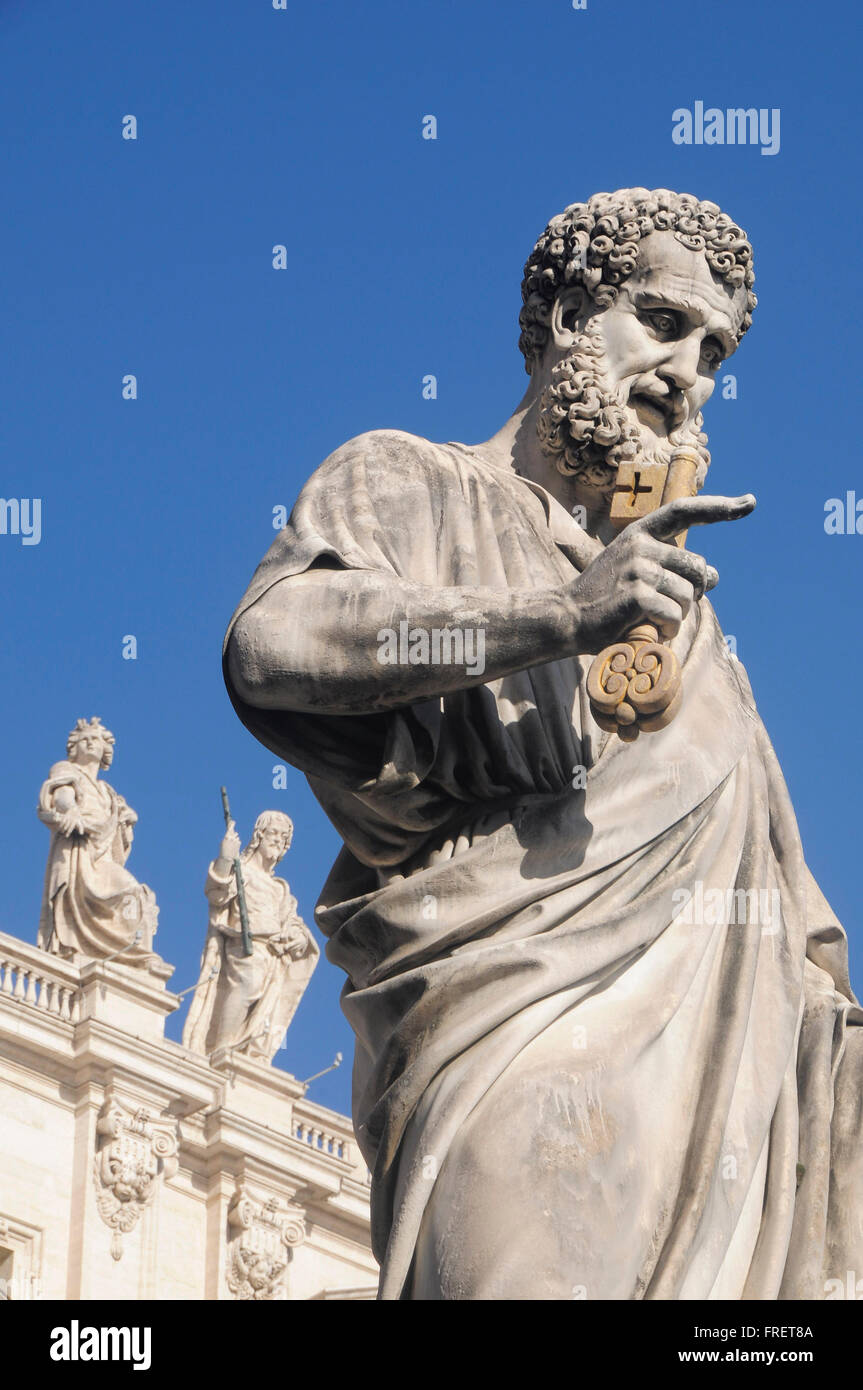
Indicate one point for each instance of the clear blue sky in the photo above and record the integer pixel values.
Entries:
(303, 127)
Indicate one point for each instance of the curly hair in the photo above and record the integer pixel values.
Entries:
(94, 726)
(595, 245)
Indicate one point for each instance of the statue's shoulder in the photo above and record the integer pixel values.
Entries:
(63, 771)
(385, 457)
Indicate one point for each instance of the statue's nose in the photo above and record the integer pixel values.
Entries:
(681, 366)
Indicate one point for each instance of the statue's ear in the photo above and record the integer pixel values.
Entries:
(567, 315)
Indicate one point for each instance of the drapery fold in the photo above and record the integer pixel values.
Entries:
(575, 1075)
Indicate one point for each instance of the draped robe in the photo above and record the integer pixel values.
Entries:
(566, 1084)
(92, 904)
(248, 1002)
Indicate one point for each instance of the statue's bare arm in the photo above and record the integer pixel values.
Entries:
(641, 576)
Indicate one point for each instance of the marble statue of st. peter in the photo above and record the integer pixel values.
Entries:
(577, 1073)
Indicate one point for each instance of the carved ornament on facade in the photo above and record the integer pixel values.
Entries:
(259, 1250)
(134, 1150)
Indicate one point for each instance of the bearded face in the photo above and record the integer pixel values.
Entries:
(628, 380)
(588, 426)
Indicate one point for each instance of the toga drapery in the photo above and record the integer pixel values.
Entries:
(248, 1002)
(566, 1084)
(91, 904)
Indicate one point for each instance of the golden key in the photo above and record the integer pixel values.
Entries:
(635, 685)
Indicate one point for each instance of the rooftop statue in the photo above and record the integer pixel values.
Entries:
(249, 989)
(91, 905)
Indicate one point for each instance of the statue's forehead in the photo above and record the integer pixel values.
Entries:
(667, 267)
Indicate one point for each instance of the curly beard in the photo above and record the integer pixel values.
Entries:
(588, 428)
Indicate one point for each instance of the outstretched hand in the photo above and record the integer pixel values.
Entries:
(642, 576)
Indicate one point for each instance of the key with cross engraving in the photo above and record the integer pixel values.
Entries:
(638, 492)
(635, 685)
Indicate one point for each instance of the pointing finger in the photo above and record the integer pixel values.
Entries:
(677, 516)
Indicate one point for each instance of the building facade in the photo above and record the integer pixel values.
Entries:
(133, 1168)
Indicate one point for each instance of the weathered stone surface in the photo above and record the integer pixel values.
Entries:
(606, 1042)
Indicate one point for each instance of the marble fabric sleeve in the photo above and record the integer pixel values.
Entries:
(353, 515)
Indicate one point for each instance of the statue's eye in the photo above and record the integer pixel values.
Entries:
(662, 321)
(712, 354)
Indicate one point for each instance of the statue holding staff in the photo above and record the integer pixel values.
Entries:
(238, 875)
(246, 1001)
